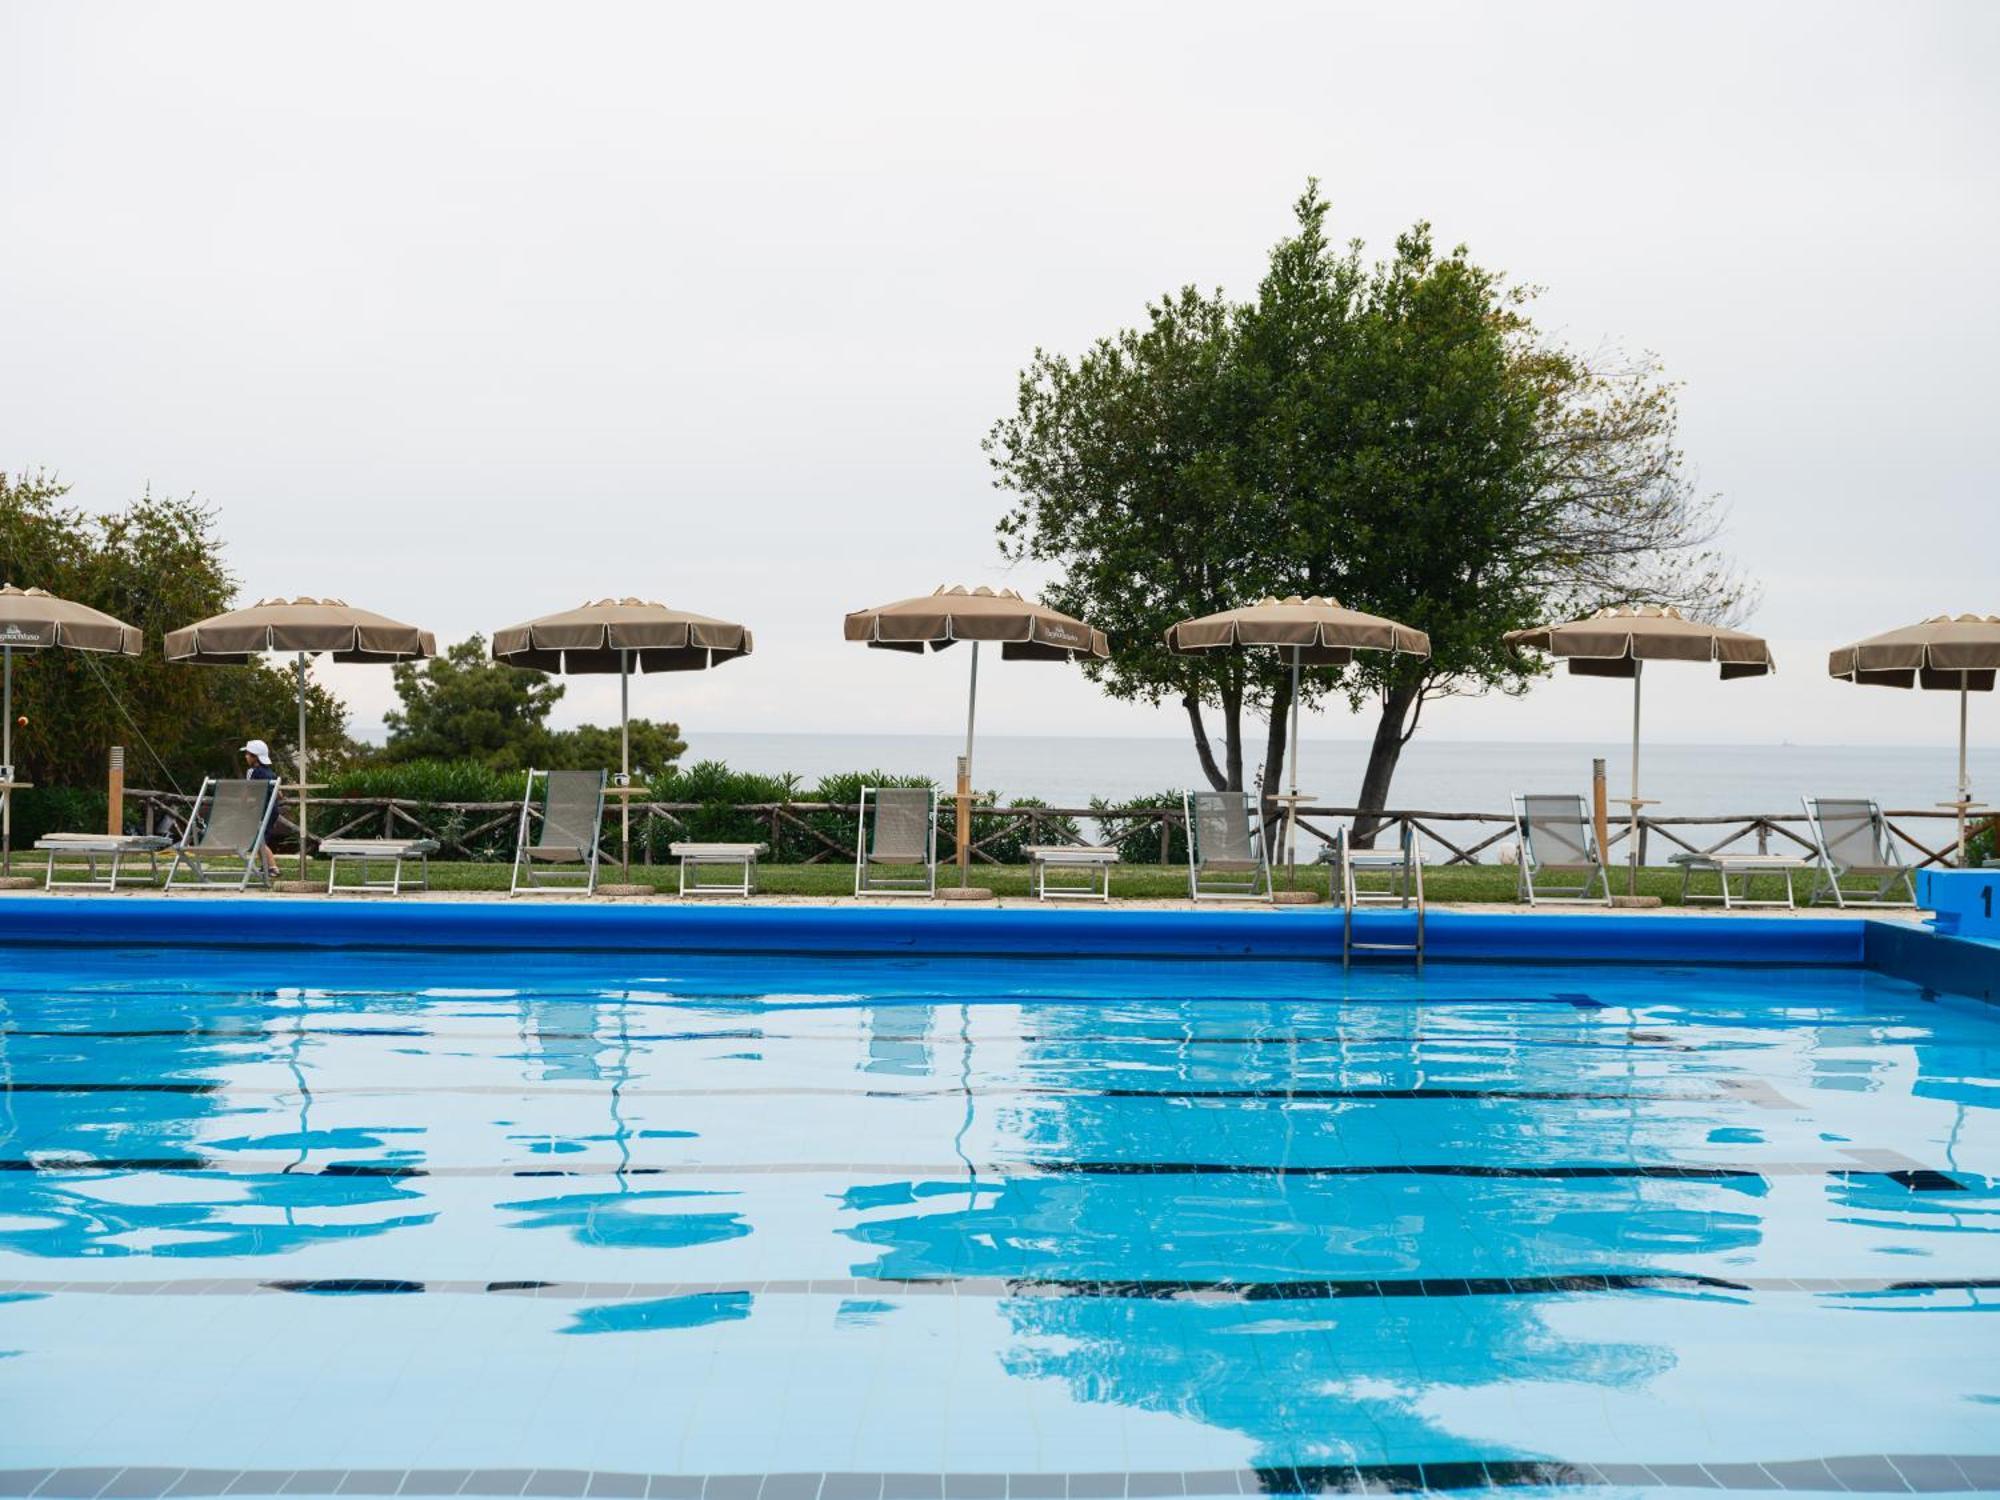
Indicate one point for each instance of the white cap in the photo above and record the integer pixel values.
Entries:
(259, 749)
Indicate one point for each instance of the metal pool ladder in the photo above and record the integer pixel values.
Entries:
(1404, 864)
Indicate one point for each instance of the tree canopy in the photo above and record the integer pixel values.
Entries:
(1397, 435)
(156, 564)
(463, 705)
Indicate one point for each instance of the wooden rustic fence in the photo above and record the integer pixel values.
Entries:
(473, 830)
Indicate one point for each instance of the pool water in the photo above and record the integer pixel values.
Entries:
(750, 1228)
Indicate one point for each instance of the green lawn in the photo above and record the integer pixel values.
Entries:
(1142, 882)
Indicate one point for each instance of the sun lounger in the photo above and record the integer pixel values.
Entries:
(1552, 836)
(1739, 867)
(1227, 860)
(229, 821)
(1093, 860)
(365, 852)
(92, 847)
(741, 858)
(895, 849)
(1851, 840)
(561, 855)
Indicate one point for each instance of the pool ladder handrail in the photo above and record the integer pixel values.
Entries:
(1406, 864)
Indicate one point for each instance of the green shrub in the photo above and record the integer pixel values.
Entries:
(1138, 838)
(58, 809)
(1984, 844)
(429, 781)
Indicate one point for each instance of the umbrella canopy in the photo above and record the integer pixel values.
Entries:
(303, 627)
(34, 620)
(1620, 640)
(616, 635)
(31, 619)
(1615, 641)
(1951, 653)
(1946, 653)
(1323, 632)
(312, 627)
(1027, 631)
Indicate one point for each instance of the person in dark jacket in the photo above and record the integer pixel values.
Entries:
(257, 767)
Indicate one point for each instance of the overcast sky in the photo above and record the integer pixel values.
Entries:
(471, 312)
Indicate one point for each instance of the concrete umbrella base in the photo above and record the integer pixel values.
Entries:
(1635, 901)
(18, 882)
(1295, 898)
(299, 887)
(964, 893)
(614, 889)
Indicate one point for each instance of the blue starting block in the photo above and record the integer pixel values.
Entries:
(1967, 902)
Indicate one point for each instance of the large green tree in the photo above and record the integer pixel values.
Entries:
(1398, 436)
(157, 564)
(463, 705)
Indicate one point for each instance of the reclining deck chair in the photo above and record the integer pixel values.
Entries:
(895, 847)
(1553, 837)
(229, 821)
(567, 835)
(1851, 837)
(1227, 860)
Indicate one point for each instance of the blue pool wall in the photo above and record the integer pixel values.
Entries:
(170, 922)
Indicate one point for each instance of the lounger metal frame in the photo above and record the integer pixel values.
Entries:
(92, 848)
(1528, 864)
(558, 880)
(1241, 879)
(366, 852)
(866, 881)
(1828, 872)
(696, 857)
(190, 853)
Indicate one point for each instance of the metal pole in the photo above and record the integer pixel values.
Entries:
(7, 761)
(1632, 876)
(304, 874)
(625, 759)
(1292, 807)
(965, 776)
(1964, 781)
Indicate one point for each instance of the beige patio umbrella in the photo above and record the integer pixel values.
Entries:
(301, 627)
(1946, 653)
(1620, 640)
(616, 635)
(1317, 632)
(35, 620)
(1025, 631)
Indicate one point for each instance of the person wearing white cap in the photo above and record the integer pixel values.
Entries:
(257, 767)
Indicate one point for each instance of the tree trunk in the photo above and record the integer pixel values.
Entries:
(1274, 755)
(1391, 731)
(1202, 748)
(1227, 777)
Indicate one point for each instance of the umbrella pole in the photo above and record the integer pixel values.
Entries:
(964, 829)
(1632, 837)
(1964, 782)
(304, 875)
(7, 760)
(625, 760)
(1292, 807)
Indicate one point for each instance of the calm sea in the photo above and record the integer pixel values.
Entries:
(1438, 775)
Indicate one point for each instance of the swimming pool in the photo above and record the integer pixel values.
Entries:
(751, 1227)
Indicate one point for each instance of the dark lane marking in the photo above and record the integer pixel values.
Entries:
(1923, 1181)
(1213, 1291)
(1861, 1474)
